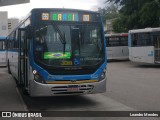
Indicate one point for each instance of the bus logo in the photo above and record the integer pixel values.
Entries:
(73, 80)
(76, 61)
(151, 53)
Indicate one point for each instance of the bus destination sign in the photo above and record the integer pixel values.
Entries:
(66, 16)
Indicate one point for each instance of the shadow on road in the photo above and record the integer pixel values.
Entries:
(57, 102)
(2, 67)
(110, 61)
(147, 66)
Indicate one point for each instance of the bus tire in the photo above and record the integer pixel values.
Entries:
(8, 66)
(25, 92)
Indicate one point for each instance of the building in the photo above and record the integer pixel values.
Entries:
(12, 2)
(12, 23)
(3, 24)
(108, 28)
(7, 25)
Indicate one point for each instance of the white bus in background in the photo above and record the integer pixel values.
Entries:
(117, 46)
(144, 45)
(3, 51)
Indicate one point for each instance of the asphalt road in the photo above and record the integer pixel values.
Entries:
(129, 87)
(137, 86)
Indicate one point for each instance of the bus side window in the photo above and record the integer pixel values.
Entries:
(135, 38)
(107, 42)
(4, 45)
(1, 45)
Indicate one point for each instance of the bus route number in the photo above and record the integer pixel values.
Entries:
(66, 63)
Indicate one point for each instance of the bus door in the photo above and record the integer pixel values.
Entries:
(156, 40)
(3, 56)
(23, 58)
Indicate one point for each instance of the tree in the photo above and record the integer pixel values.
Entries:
(109, 12)
(150, 14)
(136, 14)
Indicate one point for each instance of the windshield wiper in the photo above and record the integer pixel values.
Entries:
(61, 36)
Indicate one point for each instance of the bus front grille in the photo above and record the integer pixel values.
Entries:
(72, 89)
(69, 93)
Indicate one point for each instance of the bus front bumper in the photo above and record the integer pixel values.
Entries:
(38, 89)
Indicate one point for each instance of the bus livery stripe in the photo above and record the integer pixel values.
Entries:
(71, 82)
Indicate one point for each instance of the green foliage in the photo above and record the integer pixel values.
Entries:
(150, 14)
(118, 24)
(136, 14)
(108, 13)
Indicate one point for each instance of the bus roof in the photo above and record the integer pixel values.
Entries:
(61, 9)
(145, 30)
(2, 38)
(116, 34)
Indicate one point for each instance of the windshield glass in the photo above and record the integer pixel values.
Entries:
(68, 45)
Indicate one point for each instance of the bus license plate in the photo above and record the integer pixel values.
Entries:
(73, 89)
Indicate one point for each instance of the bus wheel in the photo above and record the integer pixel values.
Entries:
(25, 92)
(9, 70)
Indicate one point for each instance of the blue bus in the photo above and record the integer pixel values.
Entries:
(3, 51)
(58, 52)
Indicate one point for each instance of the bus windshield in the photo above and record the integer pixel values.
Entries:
(83, 44)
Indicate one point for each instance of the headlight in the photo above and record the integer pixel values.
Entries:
(34, 72)
(103, 75)
(38, 77)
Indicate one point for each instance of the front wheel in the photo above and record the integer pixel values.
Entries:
(8, 66)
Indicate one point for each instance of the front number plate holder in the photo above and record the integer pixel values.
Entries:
(73, 88)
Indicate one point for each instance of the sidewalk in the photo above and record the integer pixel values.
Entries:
(10, 100)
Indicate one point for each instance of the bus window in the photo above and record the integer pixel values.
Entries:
(135, 39)
(1, 45)
(114, 41)
(144, 39)
(124, 41)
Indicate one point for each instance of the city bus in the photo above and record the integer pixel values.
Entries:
(144, 45)
(56, 52)
(117, 46)
(3, 52)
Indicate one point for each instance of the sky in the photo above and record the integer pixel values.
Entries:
(21, 10)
